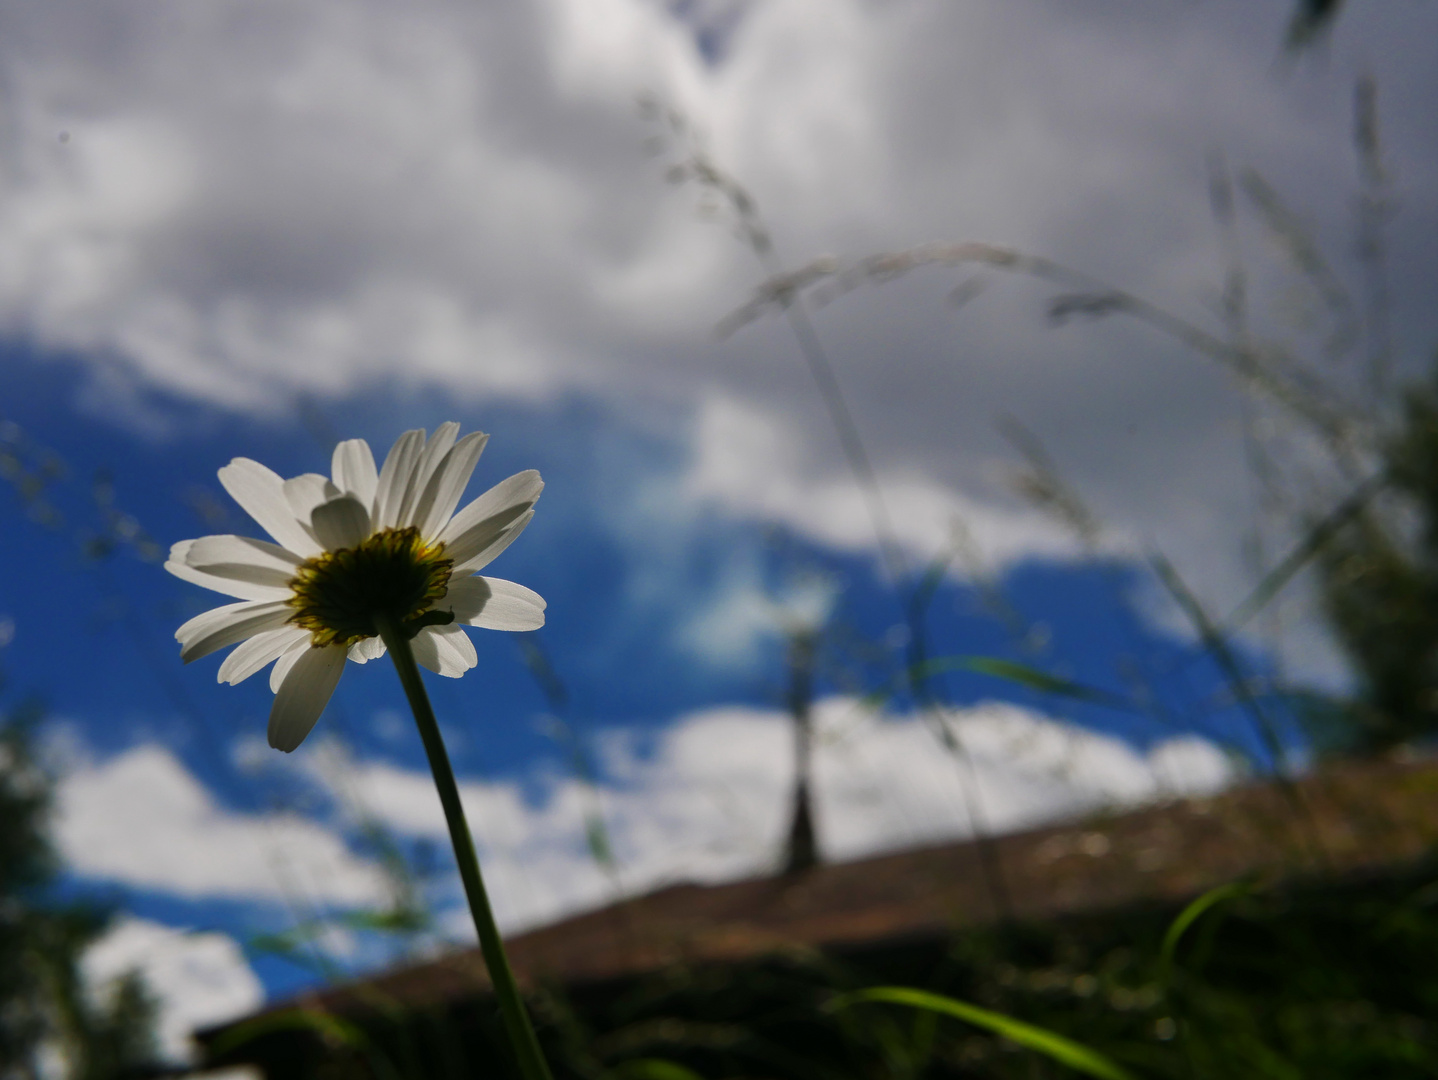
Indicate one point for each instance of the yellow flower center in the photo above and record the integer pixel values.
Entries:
(394, 573)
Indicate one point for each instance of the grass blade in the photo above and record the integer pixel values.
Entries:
(1318, 536)
(1024, 675)
(1217, 646)
(1190, 915)
(1051, 1044)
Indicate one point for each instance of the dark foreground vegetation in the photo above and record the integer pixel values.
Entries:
(1315, 979)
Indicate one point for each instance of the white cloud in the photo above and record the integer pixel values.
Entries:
(143, 820)
(255, 199)
(731, 631)
(744, 615)
(196, 979)
(751, 463)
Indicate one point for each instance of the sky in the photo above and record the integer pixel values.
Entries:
(251, 229)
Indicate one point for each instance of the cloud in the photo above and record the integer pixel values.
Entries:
(248, 201)
(752, 464)
(141, 819)
(196, 979)
(737, 624)
(252, 200)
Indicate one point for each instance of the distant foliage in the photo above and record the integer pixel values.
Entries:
(1380, 587)
(25, 863)
(47, 1014)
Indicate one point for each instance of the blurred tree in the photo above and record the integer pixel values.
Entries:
(1379, 583)
(47, 1013)
(25, 864)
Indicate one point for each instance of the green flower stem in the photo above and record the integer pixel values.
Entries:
(511, 1006)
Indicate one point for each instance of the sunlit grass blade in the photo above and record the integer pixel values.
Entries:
(1190, 915)
(1049, 1043)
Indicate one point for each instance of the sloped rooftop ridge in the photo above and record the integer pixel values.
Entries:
(1357, 817)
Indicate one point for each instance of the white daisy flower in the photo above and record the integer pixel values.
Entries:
(361, 544)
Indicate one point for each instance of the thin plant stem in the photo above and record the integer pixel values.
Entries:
(511, 1006)
(1217, 647)
(911, 596)
(894, 561)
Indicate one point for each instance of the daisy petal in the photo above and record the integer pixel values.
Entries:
(237, 565)
(307, 491)
(492, 546)
(429, 461)
(258, 651)
(226, 625)
(491, 512)
(230, 586)
(353, 467)
(340, 523)
(494, 604)
(286, 661)
(215, 553)
(241, 590)
(438, 651)
(441, 494)
(426, 654)
(394, 478)
(261, 494)
(304, 694)
(367, 649)
(455, 642)
(520, 491)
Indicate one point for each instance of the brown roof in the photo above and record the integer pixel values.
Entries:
(1349, 818)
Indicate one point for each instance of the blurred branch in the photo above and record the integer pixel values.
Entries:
(596, 830)
(1043, 485)
(1375, 207)
(1295, 240)
(784, 290)
(32, 470)
(1267, 367)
